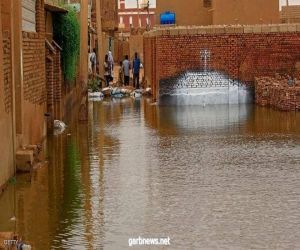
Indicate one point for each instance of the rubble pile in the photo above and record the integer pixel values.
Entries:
(279, 92)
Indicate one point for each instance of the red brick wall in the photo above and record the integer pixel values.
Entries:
(34, 79)
(241, 55)
(34, 68)
(7, 73)
(275, 92)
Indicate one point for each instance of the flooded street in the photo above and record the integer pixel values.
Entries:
(214, 177)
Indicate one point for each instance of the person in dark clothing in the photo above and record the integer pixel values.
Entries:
(106, 71)
(136, 64)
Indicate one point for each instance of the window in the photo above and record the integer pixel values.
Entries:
(207, 3)
(28, 15)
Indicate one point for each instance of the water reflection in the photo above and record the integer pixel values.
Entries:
(223, 177)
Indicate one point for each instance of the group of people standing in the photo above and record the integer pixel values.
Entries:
(125, 68)
(124, 72)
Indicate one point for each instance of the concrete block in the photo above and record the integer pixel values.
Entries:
(248, 29)
(201, 30)
(257, 29)
(166, 32)
(238, 29)
(193, 31)
(230, 29)
(24, 160)
(274, 28)
(183, 31)
(292, 28)
(220, 30)
(159, 33)
(283, 28)
(31, 147)
(265, 29)
(174, 32)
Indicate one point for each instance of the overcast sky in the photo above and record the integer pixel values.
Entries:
(132, 3)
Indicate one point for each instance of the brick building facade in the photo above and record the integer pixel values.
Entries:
(242, 53)
(31, 80)
(135, 17)
(290, 14)
(6, 97)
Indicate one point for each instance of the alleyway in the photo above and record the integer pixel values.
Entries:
(125, 175)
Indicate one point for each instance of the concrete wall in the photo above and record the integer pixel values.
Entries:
(6, 125)
(136, 45)
(188, 12)
(240, 52)
(128, 47)
(245, 12)
(122, 48)
(194, 12)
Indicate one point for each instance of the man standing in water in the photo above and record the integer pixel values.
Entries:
(126, 68)
(136, 71)
(93, 61)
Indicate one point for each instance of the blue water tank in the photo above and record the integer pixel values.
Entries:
(167, 18)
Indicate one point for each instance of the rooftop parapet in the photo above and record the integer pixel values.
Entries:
(222, 29)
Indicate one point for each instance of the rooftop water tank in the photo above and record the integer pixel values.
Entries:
(167, 18)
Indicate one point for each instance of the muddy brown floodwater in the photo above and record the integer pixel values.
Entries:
(220, 177)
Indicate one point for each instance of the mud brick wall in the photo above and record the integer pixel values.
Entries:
(109, 14)
(54, 80)
(149, 62)
(275, 92)
(121, 48)
(136, 45)
(7, 72)
(241, 52)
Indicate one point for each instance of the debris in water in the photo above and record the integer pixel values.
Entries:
(59, 127)
(13, 218)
